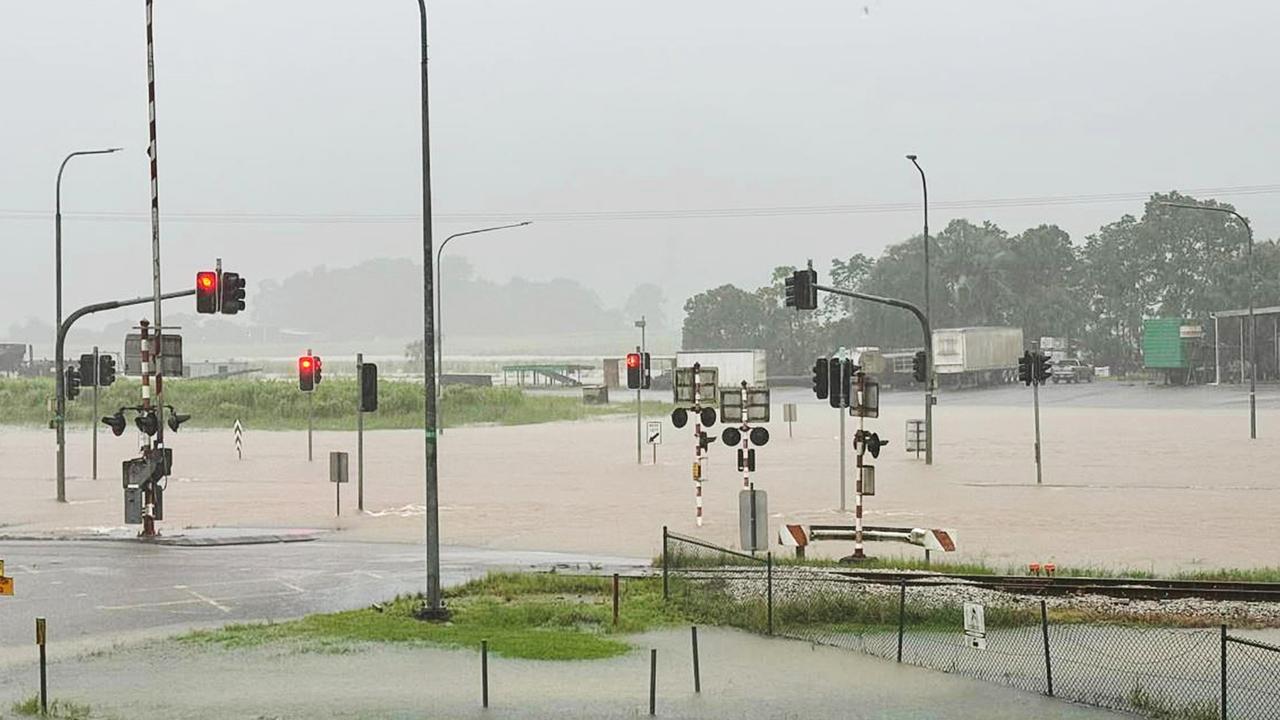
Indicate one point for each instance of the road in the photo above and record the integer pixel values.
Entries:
(100, 592)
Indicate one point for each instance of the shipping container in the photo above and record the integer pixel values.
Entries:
(733, 366)
(973, 356)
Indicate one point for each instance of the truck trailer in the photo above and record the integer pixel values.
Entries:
(733, 366)
(976, 356)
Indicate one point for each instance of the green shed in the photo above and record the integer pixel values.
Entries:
(1162, 344)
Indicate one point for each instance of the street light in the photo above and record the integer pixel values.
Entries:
(61, 401)
(929, 380)
(439, 349)
(1253, 346)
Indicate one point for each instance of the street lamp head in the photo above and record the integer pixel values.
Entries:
(912, 157)
(114, 149)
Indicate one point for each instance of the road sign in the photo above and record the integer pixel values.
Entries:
(239, 433)
(170, 357)
(6, 586)
(653, 432)
(975, 626)
(707, 388)
(338, 464)
(757, 404)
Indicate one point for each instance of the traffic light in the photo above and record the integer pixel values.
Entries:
(368, 387)
(847, 371)
(206, 292)
(634, 370)
(1024, 368)
(319, 369)
(821, 382)
(71, 382)
(88, 371)
(919, 365)
(1043, 367)
(835, 379)
(801, 290)
(647, 375)
(307, 373)
(106, 370)
(231, 293)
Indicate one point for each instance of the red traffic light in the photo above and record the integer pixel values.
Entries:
(206, 292)
(633, 360)
(304, 363)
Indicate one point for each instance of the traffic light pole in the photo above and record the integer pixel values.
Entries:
(310, 410)
(60, 402)
(93, 419)
(359, 432)
(1035, 395)
(931, 382)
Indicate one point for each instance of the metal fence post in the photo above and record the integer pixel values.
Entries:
(666, 592)
(615, 599)
(1044, 629)
(769, 589)
(697, 678)
(484, 673)
(44, 686)
(902, 615)
(653, 679)
(1223, 670)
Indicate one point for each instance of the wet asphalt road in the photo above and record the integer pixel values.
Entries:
(99, 592)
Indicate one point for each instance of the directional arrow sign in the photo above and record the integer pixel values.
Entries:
(239, 432)
(653, 432)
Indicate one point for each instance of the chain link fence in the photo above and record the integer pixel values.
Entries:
(1173, 673)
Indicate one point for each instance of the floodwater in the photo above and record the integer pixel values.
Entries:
(1137, 477)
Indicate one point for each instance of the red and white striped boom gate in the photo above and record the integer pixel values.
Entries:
(931, 539)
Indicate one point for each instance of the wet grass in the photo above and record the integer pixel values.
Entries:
(688, 556)
(58, 709)
(522, 615)
(261, 404)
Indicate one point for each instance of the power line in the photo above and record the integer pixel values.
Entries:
(201, 217)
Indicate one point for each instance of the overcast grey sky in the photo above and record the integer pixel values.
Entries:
(309, 107)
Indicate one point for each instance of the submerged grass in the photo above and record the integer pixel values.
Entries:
(58, 709)
(522, 615)
(279, 405)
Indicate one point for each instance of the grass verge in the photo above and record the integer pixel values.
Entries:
(538, 616)
(279, 405)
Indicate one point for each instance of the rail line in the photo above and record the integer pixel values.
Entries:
(1127, 588)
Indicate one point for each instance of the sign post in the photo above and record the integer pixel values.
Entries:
(653, 435)
(93, 419)
(789, 415)
(338, 476)
(975, 626)
(360, 432)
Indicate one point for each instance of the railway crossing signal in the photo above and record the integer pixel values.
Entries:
(115, 422)
(870, 441)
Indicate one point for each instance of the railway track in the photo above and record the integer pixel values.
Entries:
(1128, 588)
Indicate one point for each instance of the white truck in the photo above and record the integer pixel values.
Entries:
(975, 356)
(733, 366)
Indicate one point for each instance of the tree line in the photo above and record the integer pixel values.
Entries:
(1171, 262)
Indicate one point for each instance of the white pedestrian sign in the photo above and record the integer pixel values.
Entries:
(975, 626)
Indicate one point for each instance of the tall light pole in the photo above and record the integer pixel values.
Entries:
(434, 609)
(1253, 326)
(643, 371)
(930, 383)
(439, 349)
(61, 400)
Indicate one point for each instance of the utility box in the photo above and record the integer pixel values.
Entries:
(133, 505)
(753, 520)
(595, 394)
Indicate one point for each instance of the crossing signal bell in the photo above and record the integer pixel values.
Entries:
(919, 365)
(115, 422)
(801, 290)
(207, 292)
